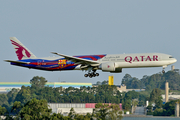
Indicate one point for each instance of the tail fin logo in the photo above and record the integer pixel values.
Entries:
(21, 51)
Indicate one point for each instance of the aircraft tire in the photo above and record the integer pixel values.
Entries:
(94, 75)
(85, 75)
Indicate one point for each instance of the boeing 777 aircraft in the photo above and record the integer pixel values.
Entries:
(91, 63)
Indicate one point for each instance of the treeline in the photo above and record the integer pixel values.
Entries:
(154, 81)
(39, 110)
(100, 94)
(38, 90)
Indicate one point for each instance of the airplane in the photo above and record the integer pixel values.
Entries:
(113, 63)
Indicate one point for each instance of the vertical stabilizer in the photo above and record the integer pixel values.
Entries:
(21, 51)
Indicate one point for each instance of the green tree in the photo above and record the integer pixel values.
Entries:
(82, 117)
(24, 95)
(106, 111)
(131, 95)
(131, 82)
(148, 88)
(105, 82)
(136, 83)
(58, 116)
(173, 78)
(149, 110)
(158, 112)
(71, 114)
(2, 110)
(35, 110)
(134, 102)
(158, 80)
(38, 82)
(155, 96)
(88, 116)
(114, 112)
(12, 95)
(169, 108)
(10, 117)
(126, 104)
(143, 97)
(17, 106)
(4, 101)
(101, 111)
(98, 83)
(126, 79)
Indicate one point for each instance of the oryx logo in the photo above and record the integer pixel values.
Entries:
(20, 50)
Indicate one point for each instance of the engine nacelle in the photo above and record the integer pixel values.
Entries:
(110, 67)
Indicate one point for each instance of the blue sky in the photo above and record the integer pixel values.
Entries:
(85, 28)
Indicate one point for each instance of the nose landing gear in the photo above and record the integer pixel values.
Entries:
(163, 71)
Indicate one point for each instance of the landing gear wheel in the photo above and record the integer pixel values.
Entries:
(163, 71)
(90, 76)
(94, 75)
(85, 75)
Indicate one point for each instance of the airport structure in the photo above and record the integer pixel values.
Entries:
(80, 108)
(170, 97)
(8, 86)
(111, 80)
(177, 109)
(166, 97)
(122, 88)
(166, 91)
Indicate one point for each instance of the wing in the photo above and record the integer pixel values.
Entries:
(77, 60)
(17, 61)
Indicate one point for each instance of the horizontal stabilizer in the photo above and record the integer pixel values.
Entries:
(17, 61)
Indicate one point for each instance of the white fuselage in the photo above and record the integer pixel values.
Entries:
(139, 60)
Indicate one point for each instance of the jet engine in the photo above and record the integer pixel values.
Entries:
(110, 67)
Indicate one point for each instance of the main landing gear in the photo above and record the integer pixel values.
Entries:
(92, 74)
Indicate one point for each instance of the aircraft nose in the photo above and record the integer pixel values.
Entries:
(175, 60)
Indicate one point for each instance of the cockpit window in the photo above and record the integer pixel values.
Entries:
(171, 57)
